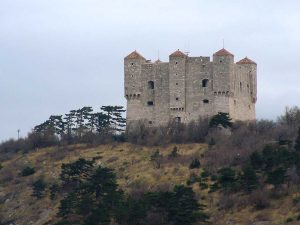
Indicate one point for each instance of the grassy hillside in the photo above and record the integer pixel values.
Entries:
(136, 173)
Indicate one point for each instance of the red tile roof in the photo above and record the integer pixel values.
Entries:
(134, 55)
(246, 61)
(178, 54)
(223, 52)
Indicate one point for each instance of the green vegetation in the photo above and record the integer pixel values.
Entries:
(95, 198)
(27, 171)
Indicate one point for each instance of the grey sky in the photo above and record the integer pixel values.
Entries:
(57, 55)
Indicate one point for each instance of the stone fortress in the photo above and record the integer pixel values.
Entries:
(186, 88)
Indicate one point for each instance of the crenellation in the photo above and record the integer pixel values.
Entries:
(186, 88)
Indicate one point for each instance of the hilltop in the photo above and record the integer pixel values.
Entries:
(135, 173)
(222, 172)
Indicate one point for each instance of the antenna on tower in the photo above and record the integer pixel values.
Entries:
(223, 43)
(187, 49)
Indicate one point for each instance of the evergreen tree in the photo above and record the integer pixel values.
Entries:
(54, 188)
(220, 119)
(256, 160)
(227, 178)
(76, 172)
(276, 177)
(114, 117)
(195, 164)
(69, 123)
(38, 188)
(297, 142)
(101, 122)
(249, 179)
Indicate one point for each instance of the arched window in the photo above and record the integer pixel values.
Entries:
(150, 84)
(241, 86)
(204, 82)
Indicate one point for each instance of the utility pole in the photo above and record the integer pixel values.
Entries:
(18, 134)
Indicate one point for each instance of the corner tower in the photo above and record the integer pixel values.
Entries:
(223, 66)
(177, 85)
(133, 85)
(245, 93)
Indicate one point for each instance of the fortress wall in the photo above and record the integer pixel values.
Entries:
(177, 75)
(133, 88)
(162, 96)
(242, 106)
(198, 69)
(177, 89)
(222, 70)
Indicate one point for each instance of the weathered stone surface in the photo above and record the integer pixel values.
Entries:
(189, 87)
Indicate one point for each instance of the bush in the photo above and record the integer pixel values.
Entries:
(203, 185)
(54, 188)
(220, 119)
(195, 164)
(227, 178)
(27, 171)
(174, 153)
(259, 199)
(38, 188)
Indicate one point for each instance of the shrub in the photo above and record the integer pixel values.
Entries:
(203, 185)
(213, 187)
(227, 178)
(27, 171)
(220, 119)
(259, 199)
(174, 153)
(54, 188)
(195, 164)
(193, 179)
(38, 188)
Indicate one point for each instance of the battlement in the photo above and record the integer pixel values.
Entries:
(186, 88)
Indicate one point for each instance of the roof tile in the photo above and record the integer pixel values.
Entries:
(178, 54)
(223, 52)
(135, 55)
(246, 60)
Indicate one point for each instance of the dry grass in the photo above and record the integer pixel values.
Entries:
(135, 172)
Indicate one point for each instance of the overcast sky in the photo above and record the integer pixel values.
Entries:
(57, 55)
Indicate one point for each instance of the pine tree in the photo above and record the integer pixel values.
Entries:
(227, 178)
(249, 179)
(277, 177)
(114, 117)
(38, 188)
(220, 119)
(297, 142)
(54, 188)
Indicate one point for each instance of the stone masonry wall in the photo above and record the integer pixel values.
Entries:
(186, 88)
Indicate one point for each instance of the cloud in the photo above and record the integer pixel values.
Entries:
(64, 54)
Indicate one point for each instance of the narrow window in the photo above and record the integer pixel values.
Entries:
(151, 84)
(150, 122)
(205, 101)
(241, 86)
(176, 62)
(204, 82)
(176, 83)
(177, 99)
(150, 103)
(178, 119)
